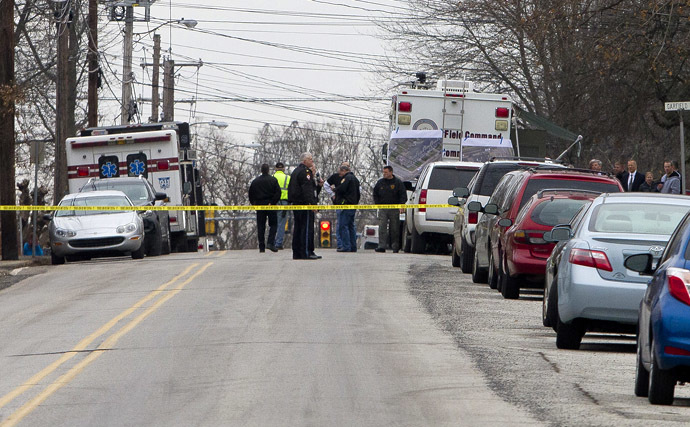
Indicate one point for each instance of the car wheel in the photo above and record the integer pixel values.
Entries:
(641, 374)
(569, 335)
(56, 260)
(139, 253)
(456, 259)
(417, 244)
(155, 247)
(466, 257)
(407, 242)
(510, 287)
(662, 383)
(549, 305)
(479, 275)
(491, 275)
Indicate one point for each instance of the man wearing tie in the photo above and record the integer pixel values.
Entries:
(632, 179)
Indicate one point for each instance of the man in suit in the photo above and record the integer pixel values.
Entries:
(632, 179)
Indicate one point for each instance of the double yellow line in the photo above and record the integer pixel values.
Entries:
(83, 345)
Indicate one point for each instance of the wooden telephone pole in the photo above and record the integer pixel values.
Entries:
(93, 64)
(62, 94)
(8, 219)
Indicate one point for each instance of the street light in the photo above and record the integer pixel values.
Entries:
(217, 123)
(189, 23)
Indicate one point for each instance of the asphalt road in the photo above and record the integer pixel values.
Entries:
(242, 338)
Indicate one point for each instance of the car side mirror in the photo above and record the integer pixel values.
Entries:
(559, 234)
(161, 196)
(452, 200)
(474, 206)
(505, 222)
(461, 192)
(187, 188)
(641, 263)
(48, 217)
(491, 209)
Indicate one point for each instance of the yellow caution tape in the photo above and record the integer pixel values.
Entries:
(218, 208)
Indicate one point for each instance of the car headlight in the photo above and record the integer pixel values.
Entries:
(126, 228)
(65, 233)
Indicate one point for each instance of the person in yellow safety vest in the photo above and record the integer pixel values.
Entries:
(283, 182)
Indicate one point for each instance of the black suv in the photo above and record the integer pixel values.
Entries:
(141, 192)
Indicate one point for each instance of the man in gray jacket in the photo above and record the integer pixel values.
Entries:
(389, 190)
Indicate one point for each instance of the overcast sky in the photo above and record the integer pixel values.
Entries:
(274, 53)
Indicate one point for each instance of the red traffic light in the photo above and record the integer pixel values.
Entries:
(325, 225)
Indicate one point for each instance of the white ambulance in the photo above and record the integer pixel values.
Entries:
(160, 152)
(446, 123)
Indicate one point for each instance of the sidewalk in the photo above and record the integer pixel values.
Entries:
(24, 261)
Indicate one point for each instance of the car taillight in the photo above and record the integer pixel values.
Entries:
(371, 232)
(502, 112)
(422, 200)
(163, 165)
(594, 259)
(83, 171)
(173, 219)
(529, 237)
(405, 107)
(678, 280)
(675, 351)
(473, 217)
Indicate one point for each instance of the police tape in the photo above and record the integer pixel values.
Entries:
(220, 208)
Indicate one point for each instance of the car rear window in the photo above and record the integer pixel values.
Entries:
(556, 211)
(647, 218)
(534, 185)
(492, 175)
(449, 177)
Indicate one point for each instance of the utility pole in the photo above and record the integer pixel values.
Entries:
(93, 64)
(168, 90)
(155, 96)
(8, 219)
(62, 95)
(127, 66)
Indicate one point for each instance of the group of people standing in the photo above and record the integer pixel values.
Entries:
(632, 180)
(302, 188)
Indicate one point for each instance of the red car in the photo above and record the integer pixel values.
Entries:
(524, 249)
(522, 186)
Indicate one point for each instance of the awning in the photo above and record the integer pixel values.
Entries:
(550, 127)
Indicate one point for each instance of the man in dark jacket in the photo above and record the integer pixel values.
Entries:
(389, 190)
(303, 190)
(265, 190)
(347, 193)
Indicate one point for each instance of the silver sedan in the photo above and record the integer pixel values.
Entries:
(587, 287)
(82, 234)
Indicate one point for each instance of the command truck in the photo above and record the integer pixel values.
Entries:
(160, 152)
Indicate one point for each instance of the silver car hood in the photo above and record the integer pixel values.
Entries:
(100, 222)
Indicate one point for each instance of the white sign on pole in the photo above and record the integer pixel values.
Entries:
(675, 106)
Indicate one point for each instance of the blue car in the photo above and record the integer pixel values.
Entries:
(663, 339)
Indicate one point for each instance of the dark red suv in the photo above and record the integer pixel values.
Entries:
(513, 192)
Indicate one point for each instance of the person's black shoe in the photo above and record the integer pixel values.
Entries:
(352, 250)
(379, 250)
(314, 256)
(262, 250)
(280, 248)
(341, 250)
(396, 251)
(272, 248)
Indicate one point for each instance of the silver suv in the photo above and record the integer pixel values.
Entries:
(434, 186)
(141, 193)
(480, 189)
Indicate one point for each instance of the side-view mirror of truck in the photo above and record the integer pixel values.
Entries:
(461, 192)
(474, 207)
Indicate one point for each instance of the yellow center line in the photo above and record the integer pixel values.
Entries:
(29, 406)
(220, 254)
(83, 344)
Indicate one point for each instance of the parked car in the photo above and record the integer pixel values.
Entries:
(82, 234)
(434, 186)
(525, 251)
(370, 237)
(480, 189)
(663, 340)
(511, 194)
(141, 193)
(587, 286)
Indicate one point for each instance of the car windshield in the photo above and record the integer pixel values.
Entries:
(135, 192)
(556, 211)
(534, 185)
(447, 178)
(93, 201)
(637, 218)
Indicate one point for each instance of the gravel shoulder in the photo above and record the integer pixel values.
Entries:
(520, 361)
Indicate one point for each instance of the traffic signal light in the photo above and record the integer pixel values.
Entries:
(325, 234)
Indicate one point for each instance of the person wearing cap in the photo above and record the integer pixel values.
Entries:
(283, 182)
